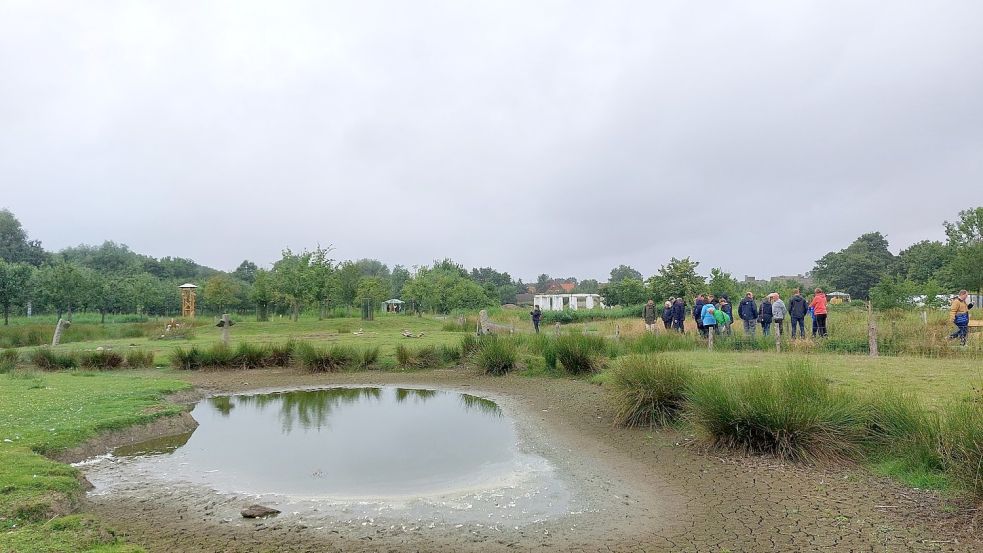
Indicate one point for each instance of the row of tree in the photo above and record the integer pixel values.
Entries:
(925, 272)
(111, 278)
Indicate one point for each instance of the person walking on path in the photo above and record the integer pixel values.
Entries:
(537, 316)
(698, 312)
(679, 315)
(708, 318)
(748, 313)
(960, 316)
(818, 305)
(650, 314)
(797, 309)
(667, 315)
(764, 315)
(778, 313)
(727, 308)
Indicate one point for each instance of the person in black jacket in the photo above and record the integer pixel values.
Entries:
(797, 309)
(748, 313)
(764, 315)
(698, 312)
(679, 315)
(667, 315)
(537, 316)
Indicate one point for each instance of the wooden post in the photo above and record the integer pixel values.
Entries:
(225, 328)
(777, 329)
(710, 339)
(61, 326)
(871, 330)
(924, 316)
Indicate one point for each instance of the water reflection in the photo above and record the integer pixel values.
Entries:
(481, 404)
(309, 408)
(347, 441)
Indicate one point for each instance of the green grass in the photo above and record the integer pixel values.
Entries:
(496, 354)
(45, 414)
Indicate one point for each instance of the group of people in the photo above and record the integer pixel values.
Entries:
(713, 314)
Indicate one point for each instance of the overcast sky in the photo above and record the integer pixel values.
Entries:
(531, 136)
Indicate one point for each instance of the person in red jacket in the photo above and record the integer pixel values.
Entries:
(818, 304)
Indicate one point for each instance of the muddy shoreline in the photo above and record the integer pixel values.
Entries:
(645, 490)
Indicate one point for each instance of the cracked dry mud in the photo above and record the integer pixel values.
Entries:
(645, 491)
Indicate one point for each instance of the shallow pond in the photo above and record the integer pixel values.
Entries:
(424, 449)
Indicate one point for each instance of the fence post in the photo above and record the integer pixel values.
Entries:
(778, 336)
(871, 330)
(225, 328)
(710, 339)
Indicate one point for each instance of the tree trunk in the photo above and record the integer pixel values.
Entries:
(6, 314)
(296, 311)
(320, 315)
(262, 316)
(103, 313)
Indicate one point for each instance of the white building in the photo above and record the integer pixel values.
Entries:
(559, 302)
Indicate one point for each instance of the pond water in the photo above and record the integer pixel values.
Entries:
(425, 447)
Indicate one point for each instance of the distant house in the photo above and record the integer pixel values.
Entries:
(838, 297)
(559, 302)
(524, 299)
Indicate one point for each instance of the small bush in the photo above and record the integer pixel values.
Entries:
(649, 390)
(497, 355)
(137, 358)
(577, 354)
(368, 358)
(47, 359)
(101, 359)
(793, 414)
(448, 355)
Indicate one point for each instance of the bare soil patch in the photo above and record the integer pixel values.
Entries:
(647, 491)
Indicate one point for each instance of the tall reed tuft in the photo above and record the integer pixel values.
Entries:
(649, 390)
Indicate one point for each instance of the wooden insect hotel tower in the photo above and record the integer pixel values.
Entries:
(188, 300)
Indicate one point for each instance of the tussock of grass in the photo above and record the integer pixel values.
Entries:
(420, 358)
(649, 390)
(103, 359)
(137, 358)
(47, 359)
(577, 354)
(794, 414)
(496, 354)
(962, 445)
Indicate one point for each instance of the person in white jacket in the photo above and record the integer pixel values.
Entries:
(778, 312)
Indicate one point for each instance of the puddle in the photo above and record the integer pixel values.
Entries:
(349, 453)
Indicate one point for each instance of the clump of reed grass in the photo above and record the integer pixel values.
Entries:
(793, 414)
(47, 359)
(578, 354)
(649, 390)
(962, 444)
(424, 357)
(139, 358)
(8, 360)
(497, 355)
(101, 359)
(469, 345)
(336, 358)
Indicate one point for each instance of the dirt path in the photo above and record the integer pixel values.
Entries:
(644, 491)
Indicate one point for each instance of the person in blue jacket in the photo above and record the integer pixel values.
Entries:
(708, 319)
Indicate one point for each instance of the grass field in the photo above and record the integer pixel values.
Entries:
(43, 412)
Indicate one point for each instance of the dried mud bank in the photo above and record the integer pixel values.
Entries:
(633, 490)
